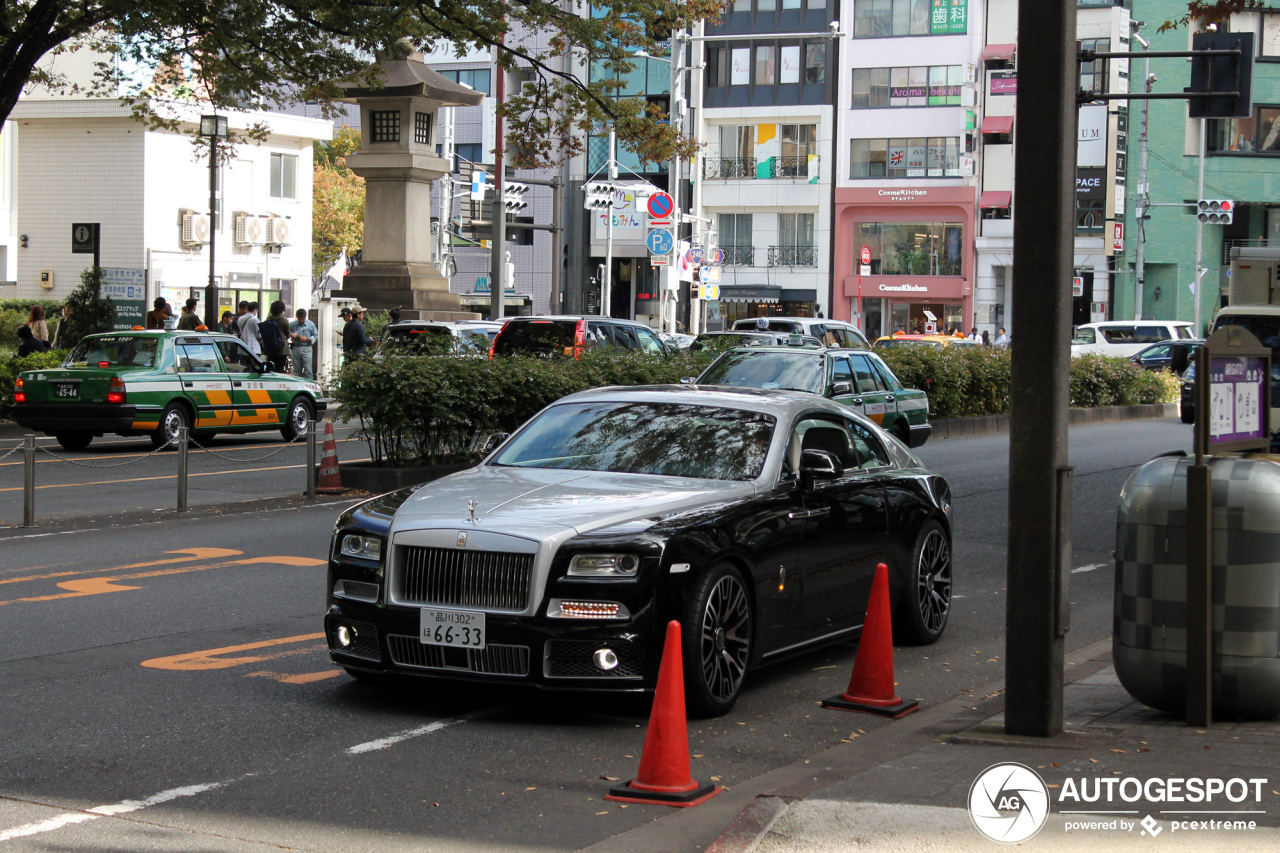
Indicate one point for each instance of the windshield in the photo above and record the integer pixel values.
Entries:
(785, 371)
(113, 351)
(419, 340)
(665, 439)
(899, 342)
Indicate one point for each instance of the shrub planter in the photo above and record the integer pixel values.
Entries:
(370, 477)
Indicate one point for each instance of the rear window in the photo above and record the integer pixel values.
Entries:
(784, 371)
(429, 340)
(113, 351)
(539, 337)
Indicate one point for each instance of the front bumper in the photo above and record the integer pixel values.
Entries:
(98, 418)
(918, 434)
(536, 651)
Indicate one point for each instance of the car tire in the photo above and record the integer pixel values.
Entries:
(716, 635)
(902, 432)
(925, 604)
(175, 416)
(295, 422)
(1187, 415)
(74, 440)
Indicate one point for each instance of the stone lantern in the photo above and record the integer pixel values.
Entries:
(397, 158)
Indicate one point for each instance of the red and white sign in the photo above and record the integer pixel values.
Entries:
(661, 206)
(865, 255)
(1117, 236)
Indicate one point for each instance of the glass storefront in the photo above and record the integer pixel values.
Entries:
(910, 317)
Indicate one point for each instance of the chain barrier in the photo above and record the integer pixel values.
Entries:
(282, 448)
(11, 452)
(107, 466)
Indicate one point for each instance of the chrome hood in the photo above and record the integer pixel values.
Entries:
(544, 503)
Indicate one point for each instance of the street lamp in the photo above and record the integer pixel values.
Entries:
(214, 127)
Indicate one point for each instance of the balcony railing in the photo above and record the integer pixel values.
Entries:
(739, 256)
(793, 256)
(788, 167)
(723, 168)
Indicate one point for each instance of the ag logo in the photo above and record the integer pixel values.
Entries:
(1008, 803)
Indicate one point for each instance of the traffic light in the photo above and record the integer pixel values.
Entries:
(1220, 74)
(1215, 211)
(513, 196)
(599, 196)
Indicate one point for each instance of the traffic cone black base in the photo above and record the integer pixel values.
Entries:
(901, 709)
(684, 799)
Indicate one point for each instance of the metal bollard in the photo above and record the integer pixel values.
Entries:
(29, 481)
(182, 469)
(311, 459)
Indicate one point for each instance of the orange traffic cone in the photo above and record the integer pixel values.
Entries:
(330, 481)
(664, 778)
(871, 685)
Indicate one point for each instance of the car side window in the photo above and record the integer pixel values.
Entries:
(625, 337)
(886, 375)
(650, 342)
(198, 358)
(1120, 335)
(868, 381)
(1084, 336)
(1150, 334)
(237, 358)
(842, 372)
(870, 450)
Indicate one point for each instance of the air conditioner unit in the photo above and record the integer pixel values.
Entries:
(248, 230)
(278, 230)
(195, 228)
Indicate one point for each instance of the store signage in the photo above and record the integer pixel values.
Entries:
(1003, 83)
(1091, 184)
(949, 17)
(1117, 236)
(865, 254)
(904, 195)
(903, 288)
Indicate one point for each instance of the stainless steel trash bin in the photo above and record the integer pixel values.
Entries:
(1149, 638)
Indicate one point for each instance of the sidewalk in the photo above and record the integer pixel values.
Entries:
(906, 786)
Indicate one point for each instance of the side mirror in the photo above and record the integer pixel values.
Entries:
(688, 380)
(494, 440)
(1179, 357)
(839, 389)
(819, 465)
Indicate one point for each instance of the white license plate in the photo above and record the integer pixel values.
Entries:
(461, 628)
(65, 390)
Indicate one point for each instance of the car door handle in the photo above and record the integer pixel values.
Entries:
(889, 399)
(188, 384)
(809, 513)
(857, 401)
(237, 384)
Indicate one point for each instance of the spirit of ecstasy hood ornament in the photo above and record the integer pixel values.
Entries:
(471, 508)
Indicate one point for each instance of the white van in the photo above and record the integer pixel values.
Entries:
(1126, 337)
(832, 333)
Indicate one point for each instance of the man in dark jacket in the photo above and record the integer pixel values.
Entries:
(189, 319)
(354, 339)
(278, 356)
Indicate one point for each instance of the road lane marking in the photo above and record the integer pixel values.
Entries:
(143, 455)
(192, 554)
(212, 658)
(112, 810)
(295, 678)
(172, 476)
(1092, 567)
(392, 740)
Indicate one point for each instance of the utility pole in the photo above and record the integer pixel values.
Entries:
(1144, 192)
(444, 243)
(498, 245)
(1195, 287)
(606, 284)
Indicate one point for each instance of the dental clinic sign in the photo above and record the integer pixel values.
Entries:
(1010, 803)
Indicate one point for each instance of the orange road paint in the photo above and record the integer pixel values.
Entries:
(192, 554)
(212, 658)
(300, 678)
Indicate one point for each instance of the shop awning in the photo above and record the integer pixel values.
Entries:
(998, 52)
(750, 294)
(799, 295)
(997, 124)
(995, 199)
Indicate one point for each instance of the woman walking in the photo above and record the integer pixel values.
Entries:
(39, 328)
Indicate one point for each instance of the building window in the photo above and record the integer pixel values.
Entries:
(740, 69)
(467, 152)
(422, 128)
(476, 78)
(798, 141)
(815, 62)
(795, 242)
(386, 126)
(1265, 27)
(887, 18)
(766, 72)
(911, 86)
(1093, 75)
(284, 176)
(735, 239)
(1091, 216)
(918, 157)
(737, 154)
(1259, 133)
(790, 70)
(913, 248)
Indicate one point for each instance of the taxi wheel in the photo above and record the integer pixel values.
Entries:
(174, 418)
(295, 425)
(901, 432)
(74, 440)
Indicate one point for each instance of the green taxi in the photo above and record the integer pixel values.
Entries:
(155, 382)
(857, 378)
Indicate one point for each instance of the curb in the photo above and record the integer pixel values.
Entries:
(995, 424)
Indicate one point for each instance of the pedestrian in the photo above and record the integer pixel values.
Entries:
(28, 343)
(274, 332)
(156, 316)
(228, 323)
(1002, 340)
(63, 331)
(247, 328)
(986, 338)
(35, 322)
(170, 322)
(302, 337)
(394, 314)
(974, 336)
(355, 342)
(189, 319)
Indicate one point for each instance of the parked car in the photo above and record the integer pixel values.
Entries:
(925, 341)
(751, 339)
(858, 379)
(557, 335)
(1187, 397)
(1126, 337)
(1160, 356)
(676, 340)
(154, 382)
(434, 337)
(755, 519)
(834, 333)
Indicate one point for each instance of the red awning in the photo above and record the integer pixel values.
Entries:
(995, 199)
(997, 124)
(998, 52)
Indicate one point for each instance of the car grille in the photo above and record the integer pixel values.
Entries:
(572, 659)
(363, 645)
(492, 660)
(487, 580)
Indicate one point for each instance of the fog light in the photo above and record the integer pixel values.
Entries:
(605, 659)
(562, 609)
(346, 635)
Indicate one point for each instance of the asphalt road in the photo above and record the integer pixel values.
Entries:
(165, 685)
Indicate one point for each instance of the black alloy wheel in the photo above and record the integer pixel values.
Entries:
(926, 603)
(716, 635)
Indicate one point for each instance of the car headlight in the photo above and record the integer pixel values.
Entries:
(360, 546)
(617, 566)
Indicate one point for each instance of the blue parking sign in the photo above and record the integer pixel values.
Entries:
(660, 241)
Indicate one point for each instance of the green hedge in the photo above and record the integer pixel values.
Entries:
(11, 367)
(425, 409)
